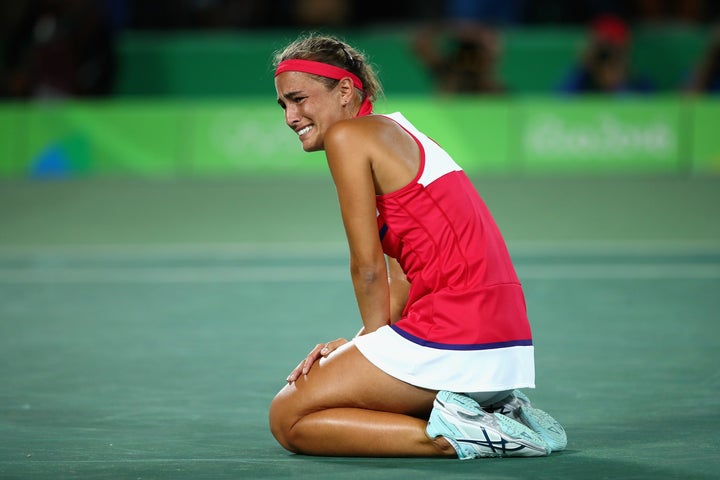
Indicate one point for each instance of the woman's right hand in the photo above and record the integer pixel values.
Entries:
(320, 350)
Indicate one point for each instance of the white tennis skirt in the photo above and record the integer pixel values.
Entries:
(486, 370)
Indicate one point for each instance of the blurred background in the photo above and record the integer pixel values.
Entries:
(126, 88)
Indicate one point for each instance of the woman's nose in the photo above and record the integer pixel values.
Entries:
(291, 115)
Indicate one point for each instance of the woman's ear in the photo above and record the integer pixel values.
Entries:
(346, 89)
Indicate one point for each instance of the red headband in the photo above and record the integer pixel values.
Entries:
(328, 71)
(317, 68)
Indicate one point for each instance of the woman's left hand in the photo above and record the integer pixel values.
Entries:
(320, 350)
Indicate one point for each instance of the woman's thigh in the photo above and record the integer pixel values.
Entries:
(346, 379)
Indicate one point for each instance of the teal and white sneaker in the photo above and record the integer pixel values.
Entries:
(518, 407)
(475, 433)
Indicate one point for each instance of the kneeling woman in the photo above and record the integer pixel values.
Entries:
(445, 340)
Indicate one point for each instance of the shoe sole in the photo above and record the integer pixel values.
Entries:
(544, 425)
(541, 423)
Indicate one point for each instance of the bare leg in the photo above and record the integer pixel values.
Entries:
(346, 406)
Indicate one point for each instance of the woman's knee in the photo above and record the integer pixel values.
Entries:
(282, 417)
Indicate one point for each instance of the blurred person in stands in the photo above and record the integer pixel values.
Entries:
(705, 77)
(604, 66)
(507, 12)
(322, 13)
(461, 57)
(685, 12)
(60, 48)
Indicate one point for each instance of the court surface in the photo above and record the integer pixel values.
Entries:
(145, 326)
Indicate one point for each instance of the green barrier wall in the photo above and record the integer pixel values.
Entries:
(532, 60)
(705, 140)
(249, 137)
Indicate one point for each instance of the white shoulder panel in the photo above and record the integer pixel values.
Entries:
(437, 160)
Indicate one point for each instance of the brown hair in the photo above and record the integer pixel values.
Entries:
(331, 50)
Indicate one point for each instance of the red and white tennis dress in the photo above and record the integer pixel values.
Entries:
(465, 325)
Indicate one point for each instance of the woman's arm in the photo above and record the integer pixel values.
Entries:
(346, 147)
(399, 289)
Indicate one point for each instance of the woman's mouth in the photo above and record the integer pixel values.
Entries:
(304, 130)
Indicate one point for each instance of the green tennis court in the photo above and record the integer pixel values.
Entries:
(146, 325)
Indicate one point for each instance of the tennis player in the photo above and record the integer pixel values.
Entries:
(445, 342)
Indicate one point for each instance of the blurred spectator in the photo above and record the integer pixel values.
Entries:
(159, 14)
(572, 12)
(462, 58)
(325, 13)
(689, 12)
(605, 64)
(492, 12)
(706, 76)
(513, 12)
(229, 14)
(9, 14)
(118, 14)
(59, 48)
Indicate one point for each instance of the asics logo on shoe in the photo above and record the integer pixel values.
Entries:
(500, 447)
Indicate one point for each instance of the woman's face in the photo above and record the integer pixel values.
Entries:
(310, 108)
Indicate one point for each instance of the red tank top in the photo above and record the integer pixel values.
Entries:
(464, 291)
